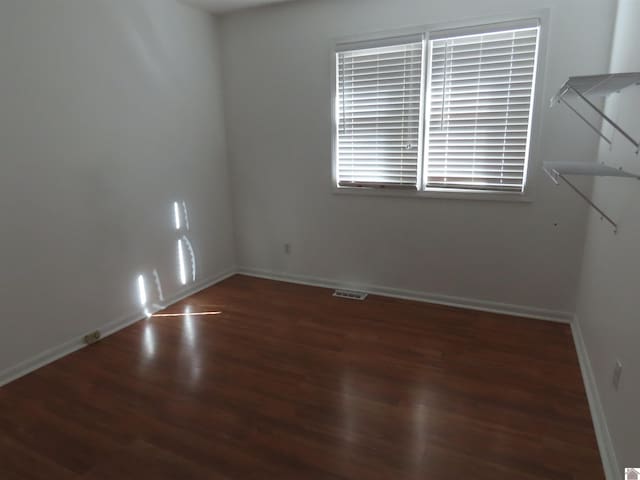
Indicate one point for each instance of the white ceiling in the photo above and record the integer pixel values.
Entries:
(224, 6)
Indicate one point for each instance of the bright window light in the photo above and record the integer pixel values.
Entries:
(189, 314)
(436, 111)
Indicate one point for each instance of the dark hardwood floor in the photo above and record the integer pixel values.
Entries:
(288, 382)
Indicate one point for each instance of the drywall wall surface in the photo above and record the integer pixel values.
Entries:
(110, 111)
(609, 303)
(277, 71)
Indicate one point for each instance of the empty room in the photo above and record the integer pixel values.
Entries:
(320, 239)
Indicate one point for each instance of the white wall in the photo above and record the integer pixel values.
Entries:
(276, 66)
(109, 111)
(609, 303)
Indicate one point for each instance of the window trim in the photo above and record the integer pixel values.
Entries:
(542, 16)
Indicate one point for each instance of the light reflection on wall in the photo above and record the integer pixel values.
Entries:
(181, 221)
(192, 256)
(151, 301)
(186, 215)
(145, 296)
(156, 277)
(142, 295)
(142, 290)
(176, 215)
(182, 268)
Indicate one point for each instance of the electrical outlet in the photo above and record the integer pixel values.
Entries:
(287, 248)
(93, 337)
(617, 373)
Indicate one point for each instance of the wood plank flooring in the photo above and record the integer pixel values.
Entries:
(282, 381)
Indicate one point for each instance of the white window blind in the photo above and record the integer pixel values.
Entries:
(379, 108)
(480, 89)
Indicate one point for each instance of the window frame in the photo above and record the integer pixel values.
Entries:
(468, 26)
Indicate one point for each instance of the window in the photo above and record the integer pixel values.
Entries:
(459, 119)
(379, 111)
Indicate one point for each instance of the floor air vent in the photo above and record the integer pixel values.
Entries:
(350, 294)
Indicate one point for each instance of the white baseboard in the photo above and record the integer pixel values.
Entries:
(605, 445)
(23, 368)
(470, 303)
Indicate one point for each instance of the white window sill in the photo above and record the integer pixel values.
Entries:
(441, 194)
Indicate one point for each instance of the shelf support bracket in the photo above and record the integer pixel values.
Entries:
(605, 117)
(584, 119)
(588, 200)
